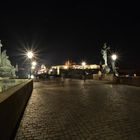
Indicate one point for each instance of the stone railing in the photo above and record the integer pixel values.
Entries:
(135, 81)
(12, 104)
(107, 77)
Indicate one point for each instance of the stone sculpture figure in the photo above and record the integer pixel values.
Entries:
(4, 59)
(6, 69)
(104, 53)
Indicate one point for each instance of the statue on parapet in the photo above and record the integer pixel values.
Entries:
(104, 53)
(6, 69)
(5, 59)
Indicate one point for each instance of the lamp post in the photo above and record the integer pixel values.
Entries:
(83, 67)
(30, 55)
(83, 64)
(114, 57)
(34, 63)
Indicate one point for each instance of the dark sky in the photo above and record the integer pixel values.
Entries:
(61, 30)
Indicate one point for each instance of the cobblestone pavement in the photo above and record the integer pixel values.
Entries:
(75, 110)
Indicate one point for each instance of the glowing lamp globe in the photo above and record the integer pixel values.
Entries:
(30, 54)
(83, 63)
(114, 57)
(34, 63)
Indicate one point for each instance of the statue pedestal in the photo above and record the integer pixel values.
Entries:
(105, 69)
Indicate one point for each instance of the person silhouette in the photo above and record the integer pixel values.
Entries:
(84, 76)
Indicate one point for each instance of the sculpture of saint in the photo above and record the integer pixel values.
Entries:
(5, 61)
(104, 53)
(6, 69)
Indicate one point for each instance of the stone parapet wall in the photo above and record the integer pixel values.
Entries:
(128, 80)
(12, 104)
(135, 81)
(107, 77)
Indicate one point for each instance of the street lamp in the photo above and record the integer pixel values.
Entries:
(34, 63)
(30, 55)
(33, 67)
(114, 58)
(83, 64)
(83, 67)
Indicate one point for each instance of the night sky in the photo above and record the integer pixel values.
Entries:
(61, 30)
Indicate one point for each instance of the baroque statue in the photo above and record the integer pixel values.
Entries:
(104, 52)
(6, 69)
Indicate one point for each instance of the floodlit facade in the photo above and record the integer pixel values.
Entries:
(58, 67)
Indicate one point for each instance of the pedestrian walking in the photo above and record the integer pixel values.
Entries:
(62, 79)
(84, 76)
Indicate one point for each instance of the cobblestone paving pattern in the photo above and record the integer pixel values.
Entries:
(75, 110)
